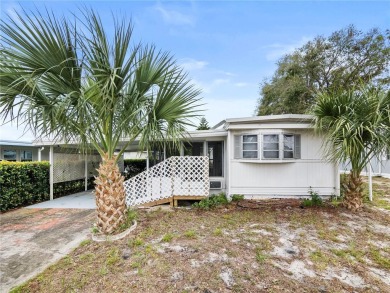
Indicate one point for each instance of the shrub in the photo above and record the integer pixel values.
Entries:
(23, 183)
(70, 187)
(212, 201)
(315, 199)
(133, 167)
(237, 197)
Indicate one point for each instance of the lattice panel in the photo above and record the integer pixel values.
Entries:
(68, 167)
(121, 164)
(93, 164)
(184, 176)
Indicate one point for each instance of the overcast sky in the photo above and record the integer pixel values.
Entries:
(227, 47)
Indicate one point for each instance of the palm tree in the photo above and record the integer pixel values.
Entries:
(356, 123)
(71, 81)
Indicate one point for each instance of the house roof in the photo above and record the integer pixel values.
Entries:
(16, 143)
(207, 133)
(284, 118)
(288, 121)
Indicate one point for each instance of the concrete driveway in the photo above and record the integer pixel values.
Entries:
(31, 239)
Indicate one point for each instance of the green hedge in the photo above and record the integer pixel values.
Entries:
(70, 187)
(23, 183)
(134, 167)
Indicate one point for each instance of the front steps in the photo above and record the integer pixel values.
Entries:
(173, 200)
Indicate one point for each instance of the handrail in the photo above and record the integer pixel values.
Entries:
(176, 176)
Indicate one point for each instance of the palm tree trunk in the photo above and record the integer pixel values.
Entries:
(353, 197)
(110, 196)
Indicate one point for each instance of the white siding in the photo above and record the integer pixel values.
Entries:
(294, 177)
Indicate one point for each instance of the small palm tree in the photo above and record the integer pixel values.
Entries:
(356, 123)
(71, 81)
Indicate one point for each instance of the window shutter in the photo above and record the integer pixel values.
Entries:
(297, 146)
(237, 147)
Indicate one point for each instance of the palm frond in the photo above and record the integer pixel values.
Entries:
(71, 79)
(355, 123)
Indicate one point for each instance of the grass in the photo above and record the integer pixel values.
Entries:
(380, 192)
(167, 237)
(260, 256)
(190, 234)
(217, 232)
(201, 244)
(321, 259)
(135, 242)
(112, 256)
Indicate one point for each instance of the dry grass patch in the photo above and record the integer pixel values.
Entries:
(232, 249)
(381, 192)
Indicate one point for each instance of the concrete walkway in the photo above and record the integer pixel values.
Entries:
(33, 238)
(80, 200)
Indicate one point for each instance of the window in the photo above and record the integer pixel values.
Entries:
(274, 146)
(249, 147)
(193, 149)
(288, 146)
(271, 146)
(9, 155)
(26, 156)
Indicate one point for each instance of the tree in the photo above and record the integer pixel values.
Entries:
(71, 81)
(356, 123)
(203, 125)
(343, 60)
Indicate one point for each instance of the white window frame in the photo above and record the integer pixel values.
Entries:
(263, 151)
(239, 146)
(250, 143)
(293, 146)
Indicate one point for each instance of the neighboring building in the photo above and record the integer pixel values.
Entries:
(18, 151)
(380, 166)
(135, 155)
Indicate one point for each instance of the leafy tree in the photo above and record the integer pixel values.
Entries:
(343, 60)
(356, 123)
(203, 125)
(71, 81)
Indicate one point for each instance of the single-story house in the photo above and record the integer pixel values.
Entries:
(18, 151)
(262, 156)
(258, 157)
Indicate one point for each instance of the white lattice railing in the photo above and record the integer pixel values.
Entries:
(176, 176)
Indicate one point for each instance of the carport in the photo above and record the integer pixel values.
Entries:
(68, 163)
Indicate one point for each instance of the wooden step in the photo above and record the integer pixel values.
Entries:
(184, 197)
(159, 202)
(173, 200)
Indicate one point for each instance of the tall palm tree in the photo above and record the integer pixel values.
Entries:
(356, 123)
(71, 81)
